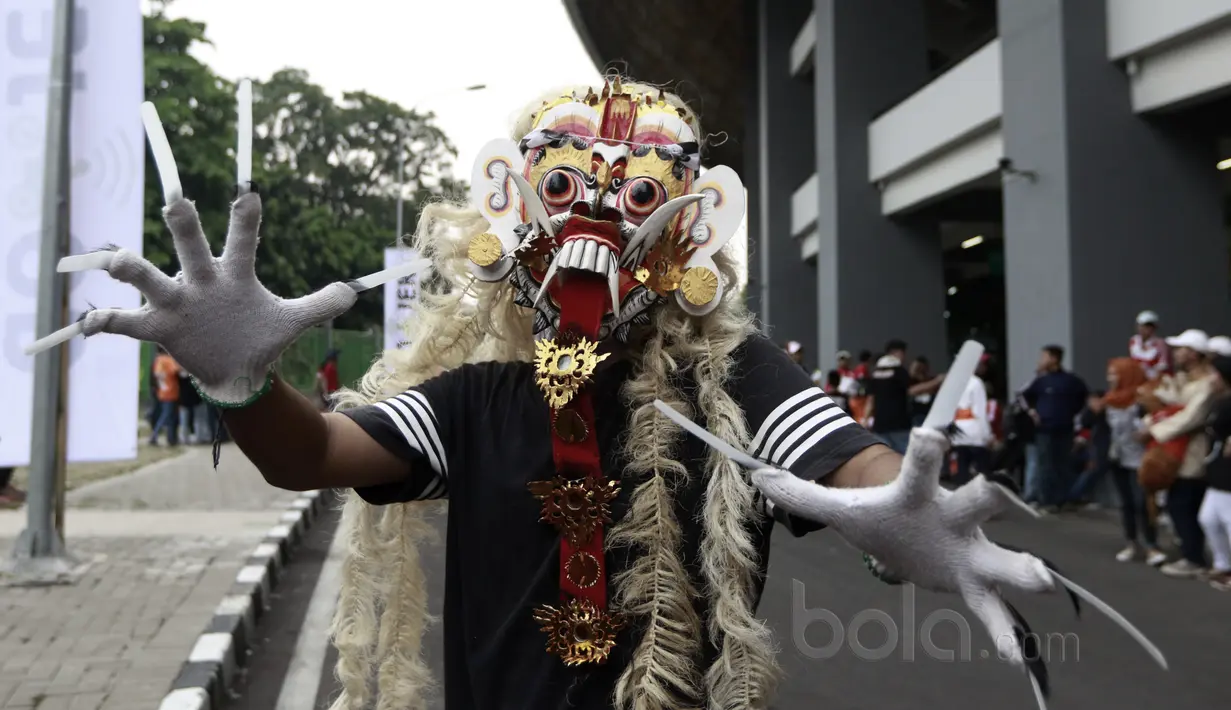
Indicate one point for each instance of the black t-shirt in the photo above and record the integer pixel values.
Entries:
(891, 408)
(479, 434)
(1218, 465)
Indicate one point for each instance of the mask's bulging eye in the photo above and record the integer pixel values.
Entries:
(559, 189)
(639, 198)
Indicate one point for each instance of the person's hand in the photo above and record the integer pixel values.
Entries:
(915, 531)
(214, 317)
(1142, 436)
(1034, 417)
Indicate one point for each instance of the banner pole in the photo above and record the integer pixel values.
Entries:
(39, 556)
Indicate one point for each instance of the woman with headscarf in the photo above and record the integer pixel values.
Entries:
(1124, 419)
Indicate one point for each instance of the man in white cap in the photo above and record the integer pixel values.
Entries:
(1220, 345)
(1149, 350)
(1195, 394)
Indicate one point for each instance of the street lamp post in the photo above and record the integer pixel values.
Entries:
(402, 151)
(39, 556)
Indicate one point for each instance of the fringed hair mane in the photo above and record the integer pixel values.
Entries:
(382, 611)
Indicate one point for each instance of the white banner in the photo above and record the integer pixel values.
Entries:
(108, 160)
(400, 296)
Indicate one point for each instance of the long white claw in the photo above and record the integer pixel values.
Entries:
(410, 268)
(1038, 691)
(62, 335)
(651, 229)
(944, 407)
(716, 443)
(613, 285)
(86, 262)
(561, 256)
(1115, 616)
(534, 206)
(243, 152)
(164, 160)
(1018, 502)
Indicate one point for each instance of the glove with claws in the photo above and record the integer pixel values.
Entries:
(917, 532)
(214, 317)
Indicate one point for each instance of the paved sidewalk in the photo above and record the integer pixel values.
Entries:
(159, 548)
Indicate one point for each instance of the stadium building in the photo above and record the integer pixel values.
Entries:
(1020, 171)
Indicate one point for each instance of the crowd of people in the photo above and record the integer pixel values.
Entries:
(1160, 433)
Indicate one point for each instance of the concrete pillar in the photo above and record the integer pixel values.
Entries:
(1124, 212)
(780, 155)
(876, 278)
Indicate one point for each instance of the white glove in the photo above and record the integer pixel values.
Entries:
(921, 533)
(214, 317)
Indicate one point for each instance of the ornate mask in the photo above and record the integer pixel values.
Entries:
(606, 186)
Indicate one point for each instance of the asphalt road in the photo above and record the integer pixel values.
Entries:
(1093, 663)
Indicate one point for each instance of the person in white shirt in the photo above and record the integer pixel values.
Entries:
(973, 437)
(1149, 350)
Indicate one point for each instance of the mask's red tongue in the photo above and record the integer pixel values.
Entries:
(583, 303)
(583, 296)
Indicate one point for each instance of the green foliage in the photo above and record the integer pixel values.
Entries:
(326, 169)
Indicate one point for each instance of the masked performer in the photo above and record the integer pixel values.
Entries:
(596, 556)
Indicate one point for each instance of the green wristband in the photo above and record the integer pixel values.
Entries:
(265, 387)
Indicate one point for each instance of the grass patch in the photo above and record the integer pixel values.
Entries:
(79, 474)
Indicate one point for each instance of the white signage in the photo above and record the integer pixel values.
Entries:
(108, 160)
(400, 296)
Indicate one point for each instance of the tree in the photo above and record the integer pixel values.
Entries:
(326, 169)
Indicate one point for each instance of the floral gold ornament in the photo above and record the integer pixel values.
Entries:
(579, 632)
(576, 508)
(699, 285)
(485, 249)
(562, 370)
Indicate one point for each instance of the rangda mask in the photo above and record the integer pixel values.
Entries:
(605, 186)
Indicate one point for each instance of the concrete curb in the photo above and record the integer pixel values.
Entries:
(222, 648)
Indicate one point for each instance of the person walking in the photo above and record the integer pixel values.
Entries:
(1125, 425)
(889, 396)
(1094, 440)
(1184, 498)
(973, 439)
(327, 380)
(1215, 513)
(1055, 399)
(1149, 350)
(167, 390)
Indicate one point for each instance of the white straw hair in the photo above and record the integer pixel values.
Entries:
(382, 612)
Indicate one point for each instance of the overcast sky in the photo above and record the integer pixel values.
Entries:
(419, 53)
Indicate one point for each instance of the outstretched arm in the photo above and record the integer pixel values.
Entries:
(874, 466)
(225, 328)
(296, 447)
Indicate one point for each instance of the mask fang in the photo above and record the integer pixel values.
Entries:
(534, 206)
(651, 229)
(561, 257)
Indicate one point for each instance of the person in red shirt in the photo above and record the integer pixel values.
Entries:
(327, 379)
(1149, 350)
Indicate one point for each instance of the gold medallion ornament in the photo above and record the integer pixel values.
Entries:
(570, 426)
(485, 249)
(699, 285)
(579, 632)
(583, 569)
(562, 370)
(576, 508)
